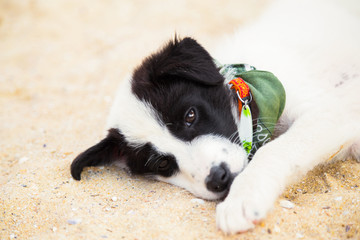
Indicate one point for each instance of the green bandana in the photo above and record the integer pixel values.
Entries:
(269, 95)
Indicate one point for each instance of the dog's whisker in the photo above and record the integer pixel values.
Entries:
(235, 139)
(149, 159)
(255, 142)
(233, 136)
(153, 160)
(266, 124)
(157, 160)
(137, 150)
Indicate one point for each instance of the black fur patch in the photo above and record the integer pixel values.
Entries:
(180, 77)
(141, 160)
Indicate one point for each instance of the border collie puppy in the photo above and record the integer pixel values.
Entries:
(173, 120)
(176, 118)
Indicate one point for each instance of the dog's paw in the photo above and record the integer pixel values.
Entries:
(246, 205)
(231, 217)
(238, 215)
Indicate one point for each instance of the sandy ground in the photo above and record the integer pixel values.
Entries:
(60, 63)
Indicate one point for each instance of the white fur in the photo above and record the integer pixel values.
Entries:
(139, 124)
(313, 47)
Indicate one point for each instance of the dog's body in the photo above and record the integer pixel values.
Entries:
(176, 119)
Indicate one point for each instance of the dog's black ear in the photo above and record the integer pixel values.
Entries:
(105, 152)
(183, 59)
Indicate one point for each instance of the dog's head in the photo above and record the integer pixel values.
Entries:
(176, 120)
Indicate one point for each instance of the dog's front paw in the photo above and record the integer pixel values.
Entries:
(246, 204)
(231, 217)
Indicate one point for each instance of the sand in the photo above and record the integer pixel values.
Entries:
(60, 63)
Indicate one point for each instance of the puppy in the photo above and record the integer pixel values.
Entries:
(177, 119)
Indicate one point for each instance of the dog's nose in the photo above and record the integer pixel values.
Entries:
(219, 178)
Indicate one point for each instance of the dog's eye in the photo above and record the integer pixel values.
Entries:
(190, 117)
(163, 164)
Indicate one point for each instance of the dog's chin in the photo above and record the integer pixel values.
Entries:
(220, 196)
(199, 192)
(211, 196)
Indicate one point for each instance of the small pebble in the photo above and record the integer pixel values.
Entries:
(12, 236)
(54, 229)
(114, 199)
(23, 159)
(107, 209)
(338, 198)
(287, 204)
(299, 235)
(131, 212)
(197, 201)
(277, 229)
(74, 221)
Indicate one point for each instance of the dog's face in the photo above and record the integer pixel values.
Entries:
(175, 120)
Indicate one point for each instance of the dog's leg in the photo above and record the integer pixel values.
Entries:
(311, 140)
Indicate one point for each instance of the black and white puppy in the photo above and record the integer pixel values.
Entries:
(175, 118)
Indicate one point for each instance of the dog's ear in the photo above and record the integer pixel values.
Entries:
(183, 59)
(105, 152)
